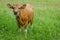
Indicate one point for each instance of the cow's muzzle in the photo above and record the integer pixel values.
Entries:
(15, 13)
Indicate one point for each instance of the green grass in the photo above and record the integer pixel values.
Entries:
(46, 21)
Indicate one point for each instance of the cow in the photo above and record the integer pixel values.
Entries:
(24, 15)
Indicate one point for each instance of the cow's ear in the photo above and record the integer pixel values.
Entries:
(10, 6)
(23, 6)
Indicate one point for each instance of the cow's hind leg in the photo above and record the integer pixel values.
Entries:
(26, 28)
(31, 24)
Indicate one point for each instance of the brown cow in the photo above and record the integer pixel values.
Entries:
(24, 14)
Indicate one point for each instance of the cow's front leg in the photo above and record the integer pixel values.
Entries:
(19, 26)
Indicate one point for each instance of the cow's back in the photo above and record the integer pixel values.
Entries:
(29, 10)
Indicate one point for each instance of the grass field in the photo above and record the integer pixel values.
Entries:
(46, 21)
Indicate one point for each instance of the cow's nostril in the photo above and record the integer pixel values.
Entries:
(15, 13)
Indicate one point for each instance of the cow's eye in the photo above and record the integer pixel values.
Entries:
(12, 7)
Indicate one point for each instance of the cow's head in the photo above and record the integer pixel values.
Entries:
(15, 8)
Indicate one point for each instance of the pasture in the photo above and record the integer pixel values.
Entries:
(46, 24)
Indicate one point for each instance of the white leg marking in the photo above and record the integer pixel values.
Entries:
(25, 33)
(25, 30)
(19, 30)
(32, 26)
